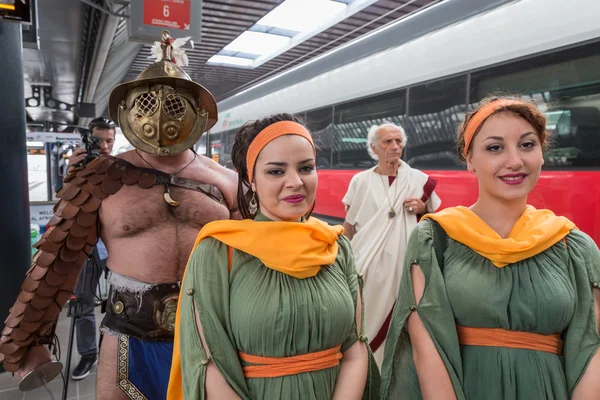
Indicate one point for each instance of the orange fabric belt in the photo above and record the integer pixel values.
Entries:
(272, 367)
(495, 337)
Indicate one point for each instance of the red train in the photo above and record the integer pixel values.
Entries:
(567, 193)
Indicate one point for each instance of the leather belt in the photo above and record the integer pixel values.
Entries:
(149, 316)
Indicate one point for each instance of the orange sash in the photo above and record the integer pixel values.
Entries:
(496, 337)
(273, 367)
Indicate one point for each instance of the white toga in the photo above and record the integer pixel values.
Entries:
(379, 243)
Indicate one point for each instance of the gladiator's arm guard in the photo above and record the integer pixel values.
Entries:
(62, 251)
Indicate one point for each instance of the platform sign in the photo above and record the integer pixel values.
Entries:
(40, 213)
(16, 11)
(53, 137)
(148, 18)
(168, 14)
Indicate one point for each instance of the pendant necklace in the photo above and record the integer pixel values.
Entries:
(167, 194)
(392, 212)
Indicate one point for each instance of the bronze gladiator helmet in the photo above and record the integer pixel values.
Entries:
(163, 111)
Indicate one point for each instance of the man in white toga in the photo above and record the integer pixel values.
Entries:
(383, 204)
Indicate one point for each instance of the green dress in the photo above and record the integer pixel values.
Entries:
(548, 293)
(263, 312)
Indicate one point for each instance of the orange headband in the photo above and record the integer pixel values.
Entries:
(269, 134)
(480, 116)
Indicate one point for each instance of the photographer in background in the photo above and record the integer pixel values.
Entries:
(103, 133)
(99, 141)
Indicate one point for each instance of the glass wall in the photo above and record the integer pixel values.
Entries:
(434, 111)
(216, 146)
(200, 145)
(320, 124)
(221, 144)
(227, 139)
(566, 86)
(352, 121)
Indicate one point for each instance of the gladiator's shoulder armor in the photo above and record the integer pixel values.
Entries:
(66, 245)
(61, 253)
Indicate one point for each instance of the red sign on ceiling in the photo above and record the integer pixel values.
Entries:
(168, 13)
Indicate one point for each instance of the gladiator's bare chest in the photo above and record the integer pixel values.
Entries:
(134, 210)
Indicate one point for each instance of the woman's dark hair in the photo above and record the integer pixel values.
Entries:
(243, 139)
(527, 111)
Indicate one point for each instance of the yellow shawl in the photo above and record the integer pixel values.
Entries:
(534, 232)
(298, 249)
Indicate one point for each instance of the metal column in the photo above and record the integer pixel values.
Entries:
(15, 246)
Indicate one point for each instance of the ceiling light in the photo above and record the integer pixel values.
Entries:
(286, 26)
(302, 15)
(257, 43)
(228, 60)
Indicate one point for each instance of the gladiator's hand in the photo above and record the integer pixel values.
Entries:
(38, 355)
(415, 206)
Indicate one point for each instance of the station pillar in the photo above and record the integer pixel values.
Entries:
(15, 242)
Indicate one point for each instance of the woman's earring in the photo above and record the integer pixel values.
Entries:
(253, 205)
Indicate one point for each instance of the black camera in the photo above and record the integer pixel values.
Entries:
(91, 144)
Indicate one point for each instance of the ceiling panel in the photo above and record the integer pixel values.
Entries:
(72, 31)
(224, 20)
(57, 64)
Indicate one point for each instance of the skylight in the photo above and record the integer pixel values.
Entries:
(228, 60)
(257, 43)
(302, 15)
(286, 26)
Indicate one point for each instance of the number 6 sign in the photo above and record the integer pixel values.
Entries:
(173, 14)
(148, 18)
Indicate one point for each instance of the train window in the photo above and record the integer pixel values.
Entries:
(216, 146)
(200, 145)
(566, 86)
(352, 121)
(320, 124)
(228, 138)
(434, 111)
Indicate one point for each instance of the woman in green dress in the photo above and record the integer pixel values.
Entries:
(270, 305)
(498, 300)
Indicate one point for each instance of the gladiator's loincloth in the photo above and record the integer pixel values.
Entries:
(142, 317)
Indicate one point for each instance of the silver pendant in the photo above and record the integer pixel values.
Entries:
(392, 214)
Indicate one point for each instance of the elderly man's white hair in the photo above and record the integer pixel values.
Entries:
(372, 137)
